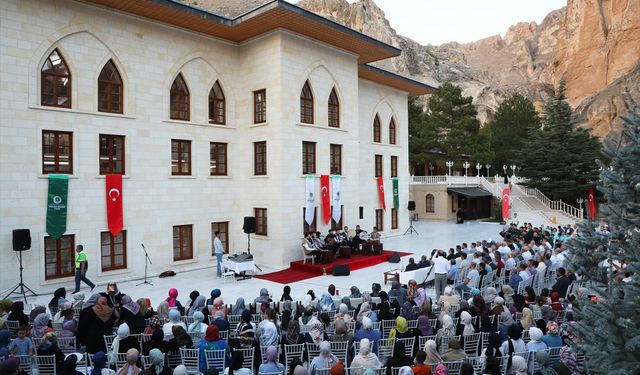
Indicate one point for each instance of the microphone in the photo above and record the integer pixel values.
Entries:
(142, 246)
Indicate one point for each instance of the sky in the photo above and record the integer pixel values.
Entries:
(441, 21)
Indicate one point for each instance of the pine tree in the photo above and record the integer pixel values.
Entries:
(609, 331)
(559, 160)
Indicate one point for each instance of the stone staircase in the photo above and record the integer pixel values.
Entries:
(531, 209)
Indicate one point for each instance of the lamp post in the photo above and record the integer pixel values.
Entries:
(513, 174)
(478, 166)
(449, 164)
(431, 168)
(488, 166)
(466, 166)
(580, 201)
(504, 168)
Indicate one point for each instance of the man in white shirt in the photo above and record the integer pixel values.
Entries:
(219, 250)
(522, 271)
(470, 280)
(441, 267)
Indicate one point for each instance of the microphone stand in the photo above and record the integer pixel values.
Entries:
(146, 260)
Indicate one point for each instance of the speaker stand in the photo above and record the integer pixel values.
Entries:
(411, 230)
(20, 288)
(249, 250)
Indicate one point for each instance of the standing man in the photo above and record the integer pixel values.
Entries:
(81, 269)
(441, 268)
(219, 250)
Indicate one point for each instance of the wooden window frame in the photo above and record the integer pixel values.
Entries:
(217, 105)
(180, 162)
(377, 131)
(183, 239)
(335, 156)
(394, 218)
(260, 158)
(56, 152)
(392, 132)
(58, 243)
(314, 225)
(394, 166)
(378, 172)
(308, 157)
(218, 159)
(338, 225)
(261, 221)
(380, 219)
(333, 109)
(260, 106)
(179, 100)
(224, 235)
(57, 78)
(111, 154)
(306, 104)
(430, 203)
(110, 86)
(112, 255)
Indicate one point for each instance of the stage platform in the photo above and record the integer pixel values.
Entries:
(301, 271)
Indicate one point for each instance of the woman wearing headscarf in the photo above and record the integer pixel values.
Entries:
(215, 293)
(365, 310)
(196, 305)
(70, 363)
(192, 297)
(420, 297)
(218, 306)
(145, 311)
(130, 367)
(498, 306)
(454, 353)
(506, 321)
(424, 326)
(445, 310)
(130, 314)
(466, 324)
(99, 362)
(526, 321)
(270, 363)
(98, 322)
(398, 359)
(41, 326)
(158, 364)
(507, 294)
(286, 294)
(49, 346)
(325, 359)
(10, 366)
(542, 358)
(431, 349)
(154, 323)
(307, 316)
(172, 300)
(514, 344)
(78, 300)
(366, 331)
(530, 296)
(518, 303)
(65, 307)
(535, 344)
(59, 296)
(401, 330)
(156, 342)
(174, 319)
(292, 335)
(343, 314)
(285, 320)
(236, 365)
(17, 313)
(245, 332)
(519, 365)
(268, 333)
(385, 312)
(35, 312)
(316, 333)
(407, 311)
(490, 295)
(397, 294)
(220, 321)
(197, 326)
(163, 310)
(355, 292)
(113, 294)
(326, 303)
(123, 342)
(263, 297)
(211, 341)
(238, 307)
(447, 330)
(493, 349)
(365, 358)
(342, 334)
(552, 339)
(449, 296)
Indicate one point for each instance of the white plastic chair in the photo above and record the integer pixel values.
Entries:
(248, 355)
(339, 349)
(408, 343)
(453, 367)
(190, 358)
(215, 359)
(45, 364)
(293, 351)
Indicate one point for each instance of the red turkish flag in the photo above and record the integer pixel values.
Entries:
(380, 184)
(592, 205)
(326, 198)
(506, 202)
(114, 203)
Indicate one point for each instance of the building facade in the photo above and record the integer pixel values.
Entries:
(207, 119)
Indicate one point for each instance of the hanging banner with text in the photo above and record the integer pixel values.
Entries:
(310, 200)
(57, 205)
(380, 185)
(396, 194)
(592, 205)
(506, 201)
(326, 198)
(113, 188)
(336, 200)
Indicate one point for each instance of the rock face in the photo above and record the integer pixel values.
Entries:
(593, 44)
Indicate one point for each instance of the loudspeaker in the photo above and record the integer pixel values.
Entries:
(249, 224)
(341, 270)
(21, 239)
(395, 258)
(361, 212)
(411, 206)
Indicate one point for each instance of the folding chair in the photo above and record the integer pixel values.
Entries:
(67, 344)
(12, 326)
(108, 340)
(293, 351)
(25, 363)
(423, 339)
(408, 345)
(385, 349)
(471, 343)
(395, 370)
(313, 350)
(387, 325)
(554, 355)
(339, 349)
(46, 364)
(453, 367)
(248, 355)
(190, 358)
(214, 358)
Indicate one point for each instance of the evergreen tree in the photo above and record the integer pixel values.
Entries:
(559, 160)
(609, 331)
(417, 142)
(516, 120)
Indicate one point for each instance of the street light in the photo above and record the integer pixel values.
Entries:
(431, 169)
(580, 201)
(513, 174)
(449, 164)
(478, 166)
(465, 165)
(488, 166)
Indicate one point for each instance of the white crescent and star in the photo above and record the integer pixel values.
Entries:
(115, 192)
(324, 191)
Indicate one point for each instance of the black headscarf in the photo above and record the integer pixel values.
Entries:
(59, 293)
(286, 294)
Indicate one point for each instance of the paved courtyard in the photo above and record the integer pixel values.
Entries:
(435, 234)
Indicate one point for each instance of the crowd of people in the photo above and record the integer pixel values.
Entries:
(325, 248)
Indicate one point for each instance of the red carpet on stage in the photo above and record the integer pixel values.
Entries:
(299, 271)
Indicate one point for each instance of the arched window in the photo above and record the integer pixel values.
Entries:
(334, 109)
(109, 89)
(306, 104)
(179, 105)
(392, 132)
(55, 79)
(376, 129)
(216, 105)
(430, 203)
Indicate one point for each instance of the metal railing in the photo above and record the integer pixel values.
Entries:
(445, 180)
(558, 205)
(492, 187)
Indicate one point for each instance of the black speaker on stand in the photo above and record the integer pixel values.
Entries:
(21, 242)
(249, 227)
(411, 206)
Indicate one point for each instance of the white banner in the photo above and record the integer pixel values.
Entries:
(310, 200)
(336, 200)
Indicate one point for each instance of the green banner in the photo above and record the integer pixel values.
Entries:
(396, 194)
(57, 205)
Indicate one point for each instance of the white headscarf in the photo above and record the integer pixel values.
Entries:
(535, 334)
(519, 365)
(465, 319)
(431, 348)
(123, 333)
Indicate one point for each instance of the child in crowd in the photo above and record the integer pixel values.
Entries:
(22, 345)
(420, 368)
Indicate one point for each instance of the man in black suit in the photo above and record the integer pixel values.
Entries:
(562, 283)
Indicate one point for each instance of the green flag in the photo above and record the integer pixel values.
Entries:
(57, 205)
(396, 194)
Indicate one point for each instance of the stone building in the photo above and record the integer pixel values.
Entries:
(208, 120)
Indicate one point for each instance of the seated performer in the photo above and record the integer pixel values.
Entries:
(360, 238)
(374, 236)
(310, 249)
